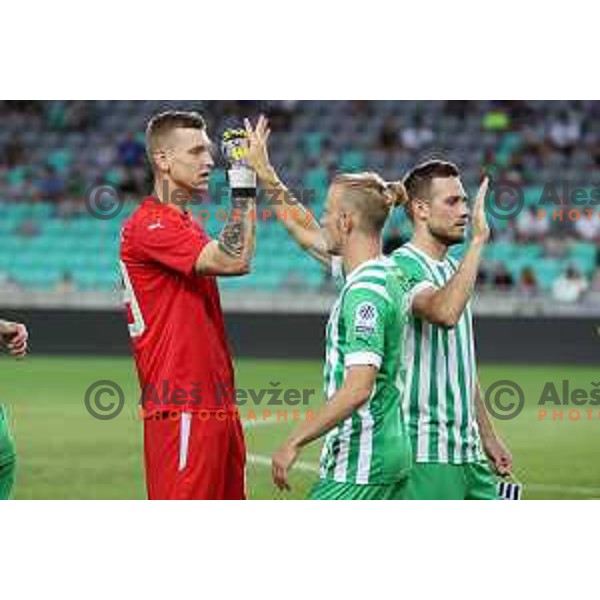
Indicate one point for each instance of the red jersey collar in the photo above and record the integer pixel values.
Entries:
(153, 204)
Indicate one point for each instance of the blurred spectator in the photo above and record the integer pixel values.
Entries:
(570, 286)
(78, 115)
(389, 140)
(555, 247)
(131, 151)
(504, 234)
(530, 227)
(594, 151)
(361, 108)
(565, 132)
(535, 147)
(417, 136)
(458, 109)
(503, 279)
(520, 112)
(484, 276)
(281, 114)
(14, 153)
(489, 163)
(132, 181)
(74, 201)
(76, 185)
(51, 186)
(105, 156)
(588, 227)
(496, 119)
(231, 111)
(56, 114)
(528, 282)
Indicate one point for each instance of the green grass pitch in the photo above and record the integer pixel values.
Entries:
(64, 453)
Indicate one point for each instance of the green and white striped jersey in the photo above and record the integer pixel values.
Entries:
(439, 395)
(372, 445)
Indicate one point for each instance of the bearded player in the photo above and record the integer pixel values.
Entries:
(182, 355)
(13, 337)
(450, 429)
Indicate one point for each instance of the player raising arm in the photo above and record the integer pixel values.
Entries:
(450, 428)
(442, 306)
(366, 454)
(13, 337)
(175, 320)
(448, 422)
(297, 219)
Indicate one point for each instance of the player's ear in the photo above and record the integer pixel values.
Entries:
(346, 221)
(420, 208)
(162, 160)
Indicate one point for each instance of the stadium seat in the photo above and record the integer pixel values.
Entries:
(352, 161)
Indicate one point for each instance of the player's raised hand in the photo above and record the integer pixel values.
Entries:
(258, 153)
(14, 337)
(281, 463)
(481, 229)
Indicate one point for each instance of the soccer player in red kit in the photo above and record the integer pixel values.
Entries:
(193, 441)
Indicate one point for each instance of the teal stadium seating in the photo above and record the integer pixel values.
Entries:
(87, 250)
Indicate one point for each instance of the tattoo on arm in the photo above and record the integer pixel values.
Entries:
(237, 237)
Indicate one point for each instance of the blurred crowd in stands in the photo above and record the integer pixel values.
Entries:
(53, 151)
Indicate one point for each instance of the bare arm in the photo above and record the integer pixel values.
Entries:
(446, 305)
(300, 223)
(493, 446)
(486, 429)
(355, 391)
(232, 253)
(295, 217)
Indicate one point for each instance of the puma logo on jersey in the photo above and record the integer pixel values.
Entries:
(158, 225)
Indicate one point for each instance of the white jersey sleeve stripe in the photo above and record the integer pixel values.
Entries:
(185, 428)
(410, 297)
(362, 358)
(365, 449)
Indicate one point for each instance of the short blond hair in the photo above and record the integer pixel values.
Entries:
(162, 124)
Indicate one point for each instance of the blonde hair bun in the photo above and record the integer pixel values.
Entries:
(398, 193)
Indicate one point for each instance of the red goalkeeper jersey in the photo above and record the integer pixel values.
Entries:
(175, 319)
